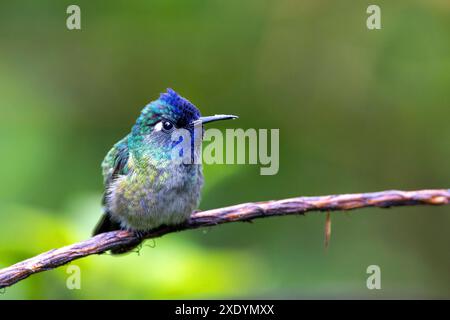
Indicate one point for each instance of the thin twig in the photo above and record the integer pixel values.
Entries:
(243, 212)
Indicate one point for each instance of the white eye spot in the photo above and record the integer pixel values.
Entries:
(158, 126)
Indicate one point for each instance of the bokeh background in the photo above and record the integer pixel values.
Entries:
(357, 110)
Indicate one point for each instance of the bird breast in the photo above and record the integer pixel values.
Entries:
(147, 198)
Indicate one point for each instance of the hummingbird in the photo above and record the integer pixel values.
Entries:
(144, 188)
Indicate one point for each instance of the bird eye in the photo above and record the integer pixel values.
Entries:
(167, 125)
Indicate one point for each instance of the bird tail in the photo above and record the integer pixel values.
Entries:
(106, 224)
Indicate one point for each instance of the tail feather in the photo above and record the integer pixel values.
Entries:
(106, 224)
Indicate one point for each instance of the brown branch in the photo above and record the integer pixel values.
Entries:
(243, 212)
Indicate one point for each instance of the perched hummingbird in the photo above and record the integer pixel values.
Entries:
(144, 187)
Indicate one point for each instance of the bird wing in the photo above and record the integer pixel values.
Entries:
(114, 165)
(115, 162)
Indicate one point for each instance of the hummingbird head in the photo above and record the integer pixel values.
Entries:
(152, 133)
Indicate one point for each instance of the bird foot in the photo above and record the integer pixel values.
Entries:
(139, 234)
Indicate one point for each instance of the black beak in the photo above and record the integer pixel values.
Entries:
(216, 117)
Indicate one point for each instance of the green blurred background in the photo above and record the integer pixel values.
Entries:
(357, 110)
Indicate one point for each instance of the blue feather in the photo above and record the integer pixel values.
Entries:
(183, 105)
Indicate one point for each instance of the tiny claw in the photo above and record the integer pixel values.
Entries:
(139, 234)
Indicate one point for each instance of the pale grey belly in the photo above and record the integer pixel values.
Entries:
(140, 203)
